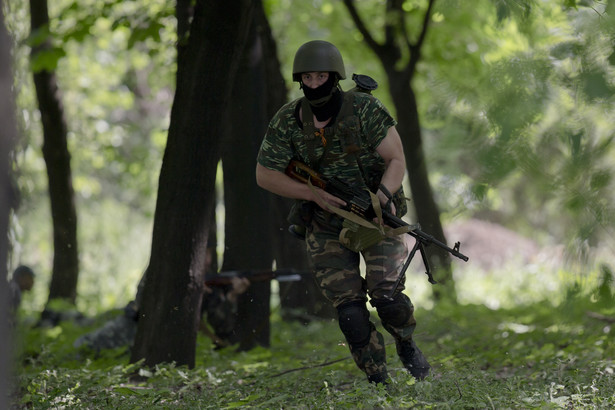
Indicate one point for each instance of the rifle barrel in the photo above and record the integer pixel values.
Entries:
(426, 238)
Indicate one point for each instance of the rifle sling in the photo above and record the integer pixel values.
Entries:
(312, 135)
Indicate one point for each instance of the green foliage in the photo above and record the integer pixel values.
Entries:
(115, 77)
(535, 355)
(514, 94)
(530, 132)
(515, 100)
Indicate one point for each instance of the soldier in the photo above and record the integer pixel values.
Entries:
(219, 308)
(21, 281)
(351, 136)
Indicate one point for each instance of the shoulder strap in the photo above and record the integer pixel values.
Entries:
(313, 136)
(352, 141)
(309, 132)
(345, 119)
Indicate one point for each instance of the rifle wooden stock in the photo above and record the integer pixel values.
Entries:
(302, 173)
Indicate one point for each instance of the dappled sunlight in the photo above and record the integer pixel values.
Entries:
(505, 110)
(535, 355)
(517, 285)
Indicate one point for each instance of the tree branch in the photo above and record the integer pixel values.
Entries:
(328, 363)
(389, 28)
(371, 42)
(599, 316)
(426, 20)
(415, 50)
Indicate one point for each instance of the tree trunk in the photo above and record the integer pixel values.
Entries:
(8, 135)
(246, 221)
(399, 76)
(303, 296)
(426, 208)
(171, 302)
(65, 271)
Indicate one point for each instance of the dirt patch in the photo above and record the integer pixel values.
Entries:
(489, 245)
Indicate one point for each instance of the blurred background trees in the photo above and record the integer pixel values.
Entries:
(515, 102)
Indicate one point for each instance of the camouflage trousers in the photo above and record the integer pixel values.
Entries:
(337, 272)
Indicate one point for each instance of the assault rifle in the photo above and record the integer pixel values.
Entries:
(259, 275)
(359, 202)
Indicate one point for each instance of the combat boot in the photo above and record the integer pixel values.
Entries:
(413, 359)
(378, 378)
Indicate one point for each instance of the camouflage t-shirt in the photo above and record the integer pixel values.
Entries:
(366, 127)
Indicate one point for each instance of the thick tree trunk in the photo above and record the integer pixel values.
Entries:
(65, 271)
(171, 302)
(8, 135)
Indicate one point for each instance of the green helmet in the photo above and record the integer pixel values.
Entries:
(318, 55)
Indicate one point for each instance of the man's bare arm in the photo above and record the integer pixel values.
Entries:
(392, 152)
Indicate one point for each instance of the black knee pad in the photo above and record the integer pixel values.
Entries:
(395, 312)
(354, 322)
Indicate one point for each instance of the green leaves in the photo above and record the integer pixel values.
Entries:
(596, 85)
(544, 353)
(47, 59)
(141, 34)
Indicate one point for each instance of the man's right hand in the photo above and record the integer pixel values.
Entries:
(324, 199)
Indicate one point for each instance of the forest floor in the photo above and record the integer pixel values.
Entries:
(538, 354)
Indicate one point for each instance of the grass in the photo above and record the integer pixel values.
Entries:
(549, 353)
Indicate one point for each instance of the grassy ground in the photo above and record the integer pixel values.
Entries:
(547, 353)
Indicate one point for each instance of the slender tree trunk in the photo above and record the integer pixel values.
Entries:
(426, 208)
(65, 271)
(171, 302)
(303, 296)
(400, 76)
(246, 220)
(8, 136)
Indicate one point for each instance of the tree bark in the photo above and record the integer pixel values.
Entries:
(400, 76)
(207, 62)
(65, 272)
(426, 208)
(8, 136)
(246, 221)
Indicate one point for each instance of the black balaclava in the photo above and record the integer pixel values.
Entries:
(325, 99)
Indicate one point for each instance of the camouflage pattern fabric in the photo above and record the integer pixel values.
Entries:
(337, 267)
(117, 332)
(404, 331)
(371, 358)
(221, 314)
(338, 275)
(285, 140)
(120, 331)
